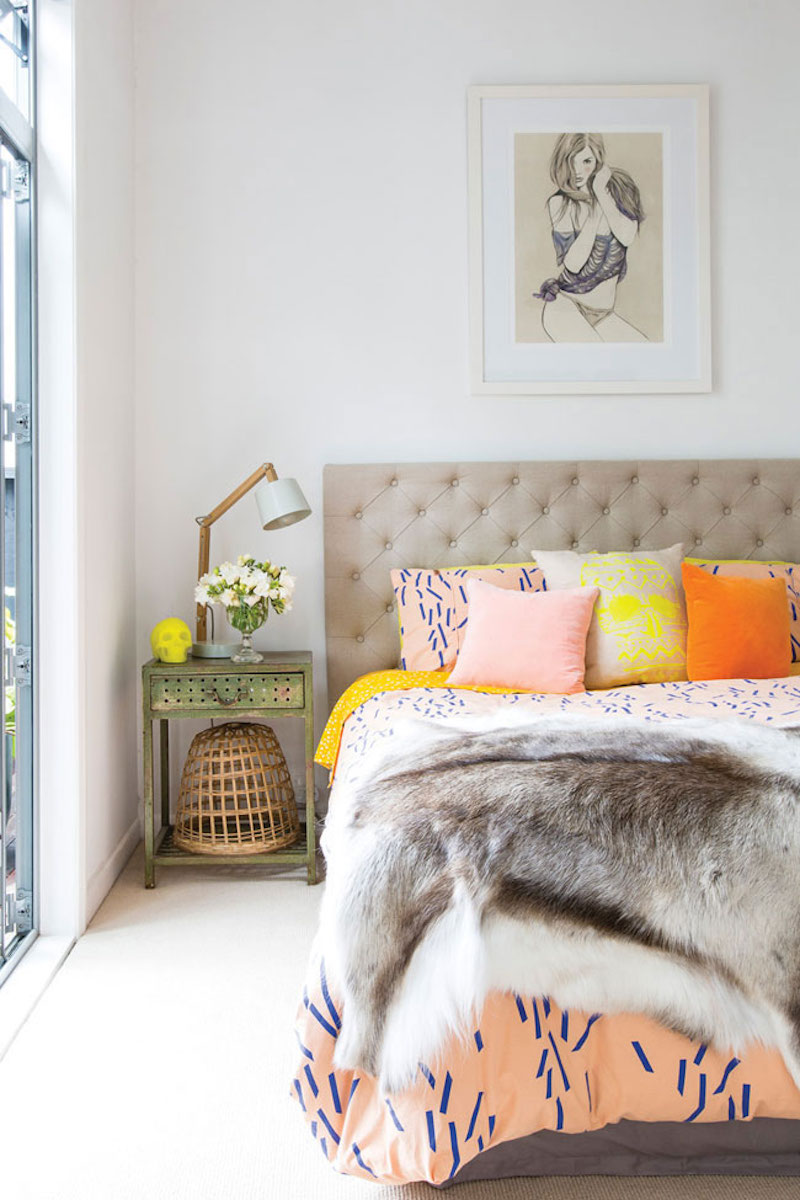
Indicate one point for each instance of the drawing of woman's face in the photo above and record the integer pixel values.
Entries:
(582, 166)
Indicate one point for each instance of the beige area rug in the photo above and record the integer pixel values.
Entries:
(156, 1066)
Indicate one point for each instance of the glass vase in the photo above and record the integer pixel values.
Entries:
(247, 621)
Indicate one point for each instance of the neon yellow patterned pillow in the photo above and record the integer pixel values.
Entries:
(638, 631)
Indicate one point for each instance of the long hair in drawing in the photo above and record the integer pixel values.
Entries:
(621, 185)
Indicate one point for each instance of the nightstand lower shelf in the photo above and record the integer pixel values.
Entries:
(167, 854)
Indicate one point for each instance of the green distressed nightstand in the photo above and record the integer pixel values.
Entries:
(280, 686)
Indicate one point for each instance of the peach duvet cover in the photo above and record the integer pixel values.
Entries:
(527, 1065)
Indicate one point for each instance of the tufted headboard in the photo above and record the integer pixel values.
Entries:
(454, 514)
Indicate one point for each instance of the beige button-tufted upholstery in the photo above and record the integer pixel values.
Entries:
(457, 514)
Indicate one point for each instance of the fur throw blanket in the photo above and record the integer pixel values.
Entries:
(615, 865)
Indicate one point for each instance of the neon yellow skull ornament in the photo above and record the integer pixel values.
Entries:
(171, 640)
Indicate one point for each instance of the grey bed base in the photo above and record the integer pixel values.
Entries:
(379, 516)
(763, 1146)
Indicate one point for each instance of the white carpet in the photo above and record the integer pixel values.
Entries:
(156, 1065)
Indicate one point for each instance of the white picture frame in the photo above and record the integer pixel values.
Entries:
(660, 342)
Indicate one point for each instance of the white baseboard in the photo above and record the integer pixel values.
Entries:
(106, 875)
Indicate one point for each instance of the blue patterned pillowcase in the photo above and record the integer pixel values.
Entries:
(432, 607)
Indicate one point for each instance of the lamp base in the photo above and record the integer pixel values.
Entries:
(214, 649)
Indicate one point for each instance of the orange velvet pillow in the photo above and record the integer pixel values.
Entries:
(738, 627)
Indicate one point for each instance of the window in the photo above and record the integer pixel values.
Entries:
(17, 819)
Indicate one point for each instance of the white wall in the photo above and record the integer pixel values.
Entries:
(301, 283)
(88, 819)
(60, 759)
(105, 435)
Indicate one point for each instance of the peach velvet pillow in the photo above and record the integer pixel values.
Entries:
(525, 641)
(738, 627)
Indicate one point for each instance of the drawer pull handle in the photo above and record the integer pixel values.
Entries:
(243, 694)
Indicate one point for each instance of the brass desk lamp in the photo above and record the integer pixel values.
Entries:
(280, 503)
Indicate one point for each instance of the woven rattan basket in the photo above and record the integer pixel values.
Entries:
(236, 795)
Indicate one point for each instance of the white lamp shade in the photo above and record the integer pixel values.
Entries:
(281, 502)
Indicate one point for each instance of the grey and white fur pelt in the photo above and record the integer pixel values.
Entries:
(614, 865)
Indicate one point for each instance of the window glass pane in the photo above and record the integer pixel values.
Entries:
(14, 52)
(16, 552)
(9, 362)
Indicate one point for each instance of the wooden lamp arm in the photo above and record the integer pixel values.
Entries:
(265, 471)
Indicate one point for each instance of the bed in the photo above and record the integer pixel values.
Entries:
(538, 1089)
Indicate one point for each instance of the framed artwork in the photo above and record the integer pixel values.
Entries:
(589, 239)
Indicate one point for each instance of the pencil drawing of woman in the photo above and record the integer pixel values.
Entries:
(595, 214)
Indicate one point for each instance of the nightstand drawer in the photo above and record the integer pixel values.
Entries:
(225, 693)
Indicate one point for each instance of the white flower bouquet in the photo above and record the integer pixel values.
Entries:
(248, 590)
